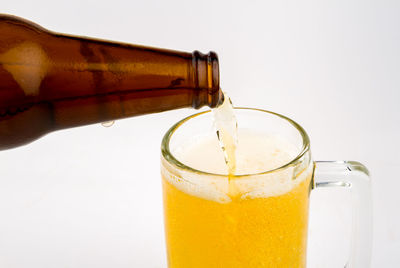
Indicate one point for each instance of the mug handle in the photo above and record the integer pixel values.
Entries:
(355, 176)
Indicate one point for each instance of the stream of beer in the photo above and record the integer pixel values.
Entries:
(225, 124)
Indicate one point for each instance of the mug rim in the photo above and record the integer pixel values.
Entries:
(170, 158)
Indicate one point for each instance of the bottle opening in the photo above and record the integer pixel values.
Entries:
(206, 79)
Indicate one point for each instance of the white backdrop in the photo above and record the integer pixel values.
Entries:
(91, 196)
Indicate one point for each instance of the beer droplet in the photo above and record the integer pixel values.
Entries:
(108, 123)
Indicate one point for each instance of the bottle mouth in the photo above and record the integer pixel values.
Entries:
(206, 69)
(215, 95)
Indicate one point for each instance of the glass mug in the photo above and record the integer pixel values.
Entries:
(205, 228)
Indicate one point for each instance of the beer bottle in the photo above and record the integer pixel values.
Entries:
(51, 81)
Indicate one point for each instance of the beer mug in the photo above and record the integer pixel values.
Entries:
(265, 223)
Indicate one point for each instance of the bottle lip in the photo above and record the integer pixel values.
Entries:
(206, 78)
(215, 96)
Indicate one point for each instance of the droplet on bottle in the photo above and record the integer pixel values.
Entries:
(108, 123)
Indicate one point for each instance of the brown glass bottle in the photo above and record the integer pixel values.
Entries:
(51, 81)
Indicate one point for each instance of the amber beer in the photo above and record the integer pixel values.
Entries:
(51, 81)
(263, 223)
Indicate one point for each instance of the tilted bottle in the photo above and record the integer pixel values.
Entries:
(51, 81)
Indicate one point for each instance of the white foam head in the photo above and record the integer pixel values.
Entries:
(255, 153)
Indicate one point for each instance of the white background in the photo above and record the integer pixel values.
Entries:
(91, 196)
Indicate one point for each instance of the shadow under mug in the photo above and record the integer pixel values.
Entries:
(204, 227)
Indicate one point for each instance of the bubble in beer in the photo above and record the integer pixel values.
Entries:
(108, 123)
